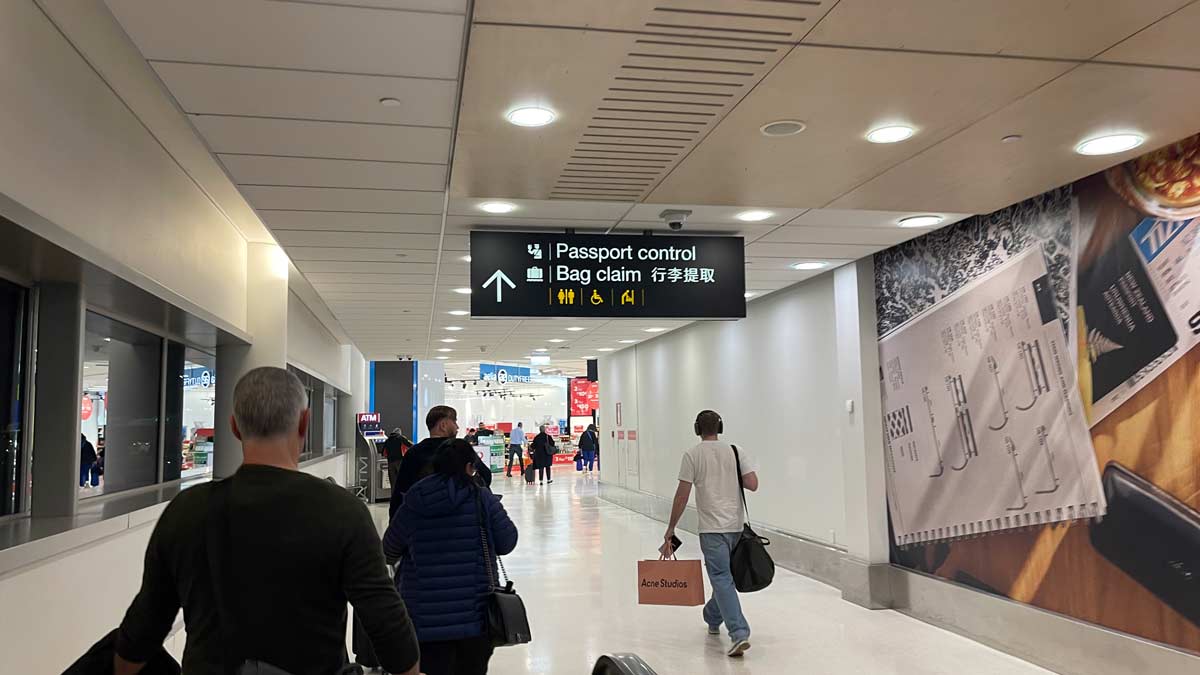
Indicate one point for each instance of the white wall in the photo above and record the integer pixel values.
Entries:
(76, 155)
(773, 377)
(337, 466)
(313, 349)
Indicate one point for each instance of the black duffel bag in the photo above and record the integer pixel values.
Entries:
(750, 564)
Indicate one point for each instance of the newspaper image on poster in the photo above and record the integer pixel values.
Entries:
(984, 427)
(1138, 277)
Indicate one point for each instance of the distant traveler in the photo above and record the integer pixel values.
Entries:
(442, 422)
(471, 438)
(291, 551)
(589, 444)
(516, 449)
(542, 449)
(712, 468)
(443, 573)
(87, 462)
(394, 448)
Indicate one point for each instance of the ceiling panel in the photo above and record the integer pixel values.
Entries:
(750, 231)
(343, 199)
(1170, 42)
(271, 92)
(404, 268)
(709, 215)
(444, 6)
(465, 224)
(332, 140)
(841, 94)
(306, 35)
(404, 242)
(841, 235)
(406, 257)
(806, 251)
(846, 218)
(1090, 100)
(1044, 28)
(352, 222)
(337, 173)
(750, 19)
(541, 209)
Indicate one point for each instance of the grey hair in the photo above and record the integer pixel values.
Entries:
(542, 428)
(267, 402)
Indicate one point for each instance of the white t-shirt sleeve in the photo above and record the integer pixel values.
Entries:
(749, 464)
(687, 468)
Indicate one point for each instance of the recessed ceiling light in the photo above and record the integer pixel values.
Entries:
(449, 340)
(458, 312)
(498, 207)
(893, 133)
(748, 294)
(541, 349)
(782, 128)
(654, 330)
(627, 342)
(108, 339)
(808, 265)
(445, 349)
(1011, 138)
(453, 327)
(1110, 144)
(466, 258)
(606, 349)
(753, 216)
(442, 358)
(576, 329)
(531, 116)
(389, 102)
(919, 221)
(463, 291)
(555, 340)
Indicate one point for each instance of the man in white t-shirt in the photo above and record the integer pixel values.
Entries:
(711, 466)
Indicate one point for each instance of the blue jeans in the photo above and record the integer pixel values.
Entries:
(724, 605)
(589, 458)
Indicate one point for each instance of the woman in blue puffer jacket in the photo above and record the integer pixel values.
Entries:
(442, 574)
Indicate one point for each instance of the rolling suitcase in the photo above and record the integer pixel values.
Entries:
(530, 472)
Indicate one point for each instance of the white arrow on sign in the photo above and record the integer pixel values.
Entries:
(499, 278)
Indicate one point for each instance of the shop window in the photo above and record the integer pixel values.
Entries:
(14, 316)
(119, 412)
(191, 411)
(329, 420)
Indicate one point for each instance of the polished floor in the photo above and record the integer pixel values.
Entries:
(575, 567)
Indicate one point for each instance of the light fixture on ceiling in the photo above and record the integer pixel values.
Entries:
(653, 330)
(920, 221)
(782, 128)
(531, 116)
(1109, 144)
(498, 207)
(754, 216)
(1012, 138)
(606, 349)
(466, 258)
(556, 340)
(442, 358)
(449, 340)
(445, 349)
(809, 265)
(627, 342)
(453, 327)
(389, 102)
(748, 294)
(458, 312)
(463, 291)
(108, 339)
(541, 349)
(576, 329)
(892, 133)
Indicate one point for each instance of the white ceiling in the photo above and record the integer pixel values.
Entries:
(659, 104)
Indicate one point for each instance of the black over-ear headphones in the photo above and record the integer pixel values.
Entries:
(720, 422)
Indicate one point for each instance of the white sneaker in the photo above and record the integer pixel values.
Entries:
(738, 648)
(714, 630)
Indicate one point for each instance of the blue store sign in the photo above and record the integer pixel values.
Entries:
(494, 372)
(198, 377)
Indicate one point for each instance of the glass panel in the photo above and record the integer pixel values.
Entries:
(329, 420)
(307, 380)
(13, 311)
(122, 369)
(199, 413)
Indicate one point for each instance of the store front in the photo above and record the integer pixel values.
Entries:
(496, 403)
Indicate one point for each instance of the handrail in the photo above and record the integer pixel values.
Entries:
(622, 664)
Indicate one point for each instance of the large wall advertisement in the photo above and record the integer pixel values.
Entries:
(1041, 388)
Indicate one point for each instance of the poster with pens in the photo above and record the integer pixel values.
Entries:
(984, 427)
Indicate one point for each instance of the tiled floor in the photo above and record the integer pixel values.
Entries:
(575, 567)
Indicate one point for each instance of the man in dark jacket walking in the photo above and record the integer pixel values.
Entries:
(87, 461)
(589, 445)
(442, 422)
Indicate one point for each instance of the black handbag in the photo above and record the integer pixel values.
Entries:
(507, 620)
(750, 564)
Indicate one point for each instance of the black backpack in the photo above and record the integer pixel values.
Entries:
(750, 564)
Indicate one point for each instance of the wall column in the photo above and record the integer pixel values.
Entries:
(58, 390)
(353, 403)
(266, 322)
(865, 566)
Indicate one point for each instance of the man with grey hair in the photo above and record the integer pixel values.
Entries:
(264, 562)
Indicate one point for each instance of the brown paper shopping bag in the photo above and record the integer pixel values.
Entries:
(670, 582)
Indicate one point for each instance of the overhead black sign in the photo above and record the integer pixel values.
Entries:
(530, 274)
